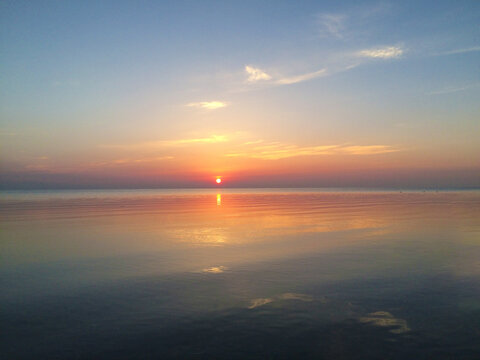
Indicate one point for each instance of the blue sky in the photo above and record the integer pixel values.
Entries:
(128, 90)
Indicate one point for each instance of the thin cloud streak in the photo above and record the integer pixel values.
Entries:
(461, 51)
(166, 143)
(388, 52)
(255, 75)
(209, 105)
(276, 150)
(211, 139)
(130, 161)
(301, 78)
(451, 90)
(367, 149)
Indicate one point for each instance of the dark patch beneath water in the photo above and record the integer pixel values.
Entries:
(431, 318)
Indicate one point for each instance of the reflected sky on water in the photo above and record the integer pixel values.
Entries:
(237, 274)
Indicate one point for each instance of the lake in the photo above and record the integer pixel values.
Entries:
(240, 274)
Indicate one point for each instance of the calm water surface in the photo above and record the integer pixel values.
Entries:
(240, 275)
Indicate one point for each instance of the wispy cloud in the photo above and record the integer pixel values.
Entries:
(246, 148)
(131, 161)
(367, 149)
(331, 25)
(461, 51)
(210, 139)
(277, 150)
(388, 52)
(353, 22)
(301, 78)
(209, 105)
(256, 74)
(449, 90)
(166, 143)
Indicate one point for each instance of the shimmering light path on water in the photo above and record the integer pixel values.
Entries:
(240, 274)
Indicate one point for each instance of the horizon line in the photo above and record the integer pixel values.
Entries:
(353, 188)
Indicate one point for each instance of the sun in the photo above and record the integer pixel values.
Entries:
(218, 181)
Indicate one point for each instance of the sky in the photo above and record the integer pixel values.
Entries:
(132, 94)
